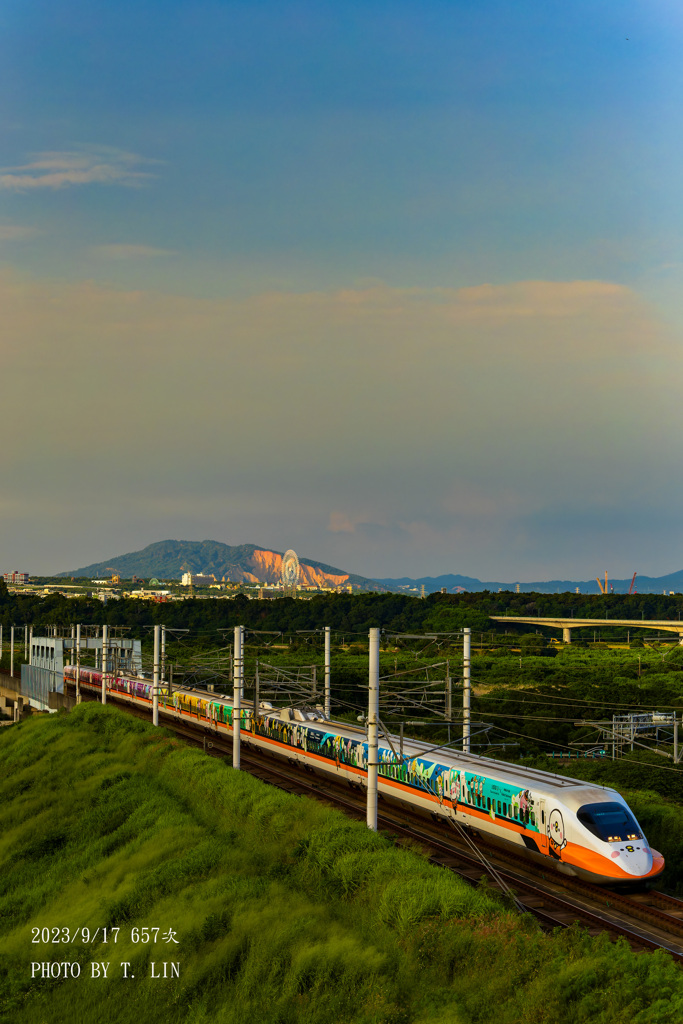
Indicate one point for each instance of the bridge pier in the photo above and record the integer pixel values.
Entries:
(566, 635)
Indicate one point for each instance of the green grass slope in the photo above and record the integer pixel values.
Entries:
(284, 910)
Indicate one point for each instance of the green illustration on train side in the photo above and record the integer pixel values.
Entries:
(463, 789)
(496, 799)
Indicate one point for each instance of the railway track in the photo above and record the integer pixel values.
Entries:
(647, 920)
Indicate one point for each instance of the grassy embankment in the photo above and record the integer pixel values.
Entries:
(284, 910)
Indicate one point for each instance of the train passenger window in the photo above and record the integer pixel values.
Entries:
(505, 809)
(533, 817)
(478, 801)
(488, 803)
(499, 806)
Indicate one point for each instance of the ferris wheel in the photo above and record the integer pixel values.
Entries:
(290, 570)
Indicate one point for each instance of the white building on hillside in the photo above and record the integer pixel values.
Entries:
(190, 579)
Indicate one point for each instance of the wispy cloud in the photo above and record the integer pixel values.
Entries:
(129, 252)
(16, 232)
(340, 522)
(100, 165)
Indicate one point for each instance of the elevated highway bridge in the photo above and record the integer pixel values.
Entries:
(568, 624)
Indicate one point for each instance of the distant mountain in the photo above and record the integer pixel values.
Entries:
(247, 563)
(455, 584)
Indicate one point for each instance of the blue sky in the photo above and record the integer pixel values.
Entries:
(396, 284)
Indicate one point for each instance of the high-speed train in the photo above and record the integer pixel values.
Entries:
(579, 828)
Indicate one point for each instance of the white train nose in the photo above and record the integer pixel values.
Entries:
(635, 859)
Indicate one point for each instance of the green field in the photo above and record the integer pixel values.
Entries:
(284, 911)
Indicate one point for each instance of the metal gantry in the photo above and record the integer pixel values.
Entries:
(627, 731)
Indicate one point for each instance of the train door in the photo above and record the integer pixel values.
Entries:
(542, 823)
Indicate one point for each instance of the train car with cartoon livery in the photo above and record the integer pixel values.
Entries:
(579, 828)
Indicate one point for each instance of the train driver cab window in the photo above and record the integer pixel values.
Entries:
(609, 821)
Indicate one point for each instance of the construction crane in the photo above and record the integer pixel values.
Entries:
(603, 589)
(632, 589)
(115, 575)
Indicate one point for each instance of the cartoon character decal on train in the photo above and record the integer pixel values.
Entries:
(557, 836)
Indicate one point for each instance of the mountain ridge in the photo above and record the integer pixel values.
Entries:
(454, 583)
(244, 563)
(251, 563)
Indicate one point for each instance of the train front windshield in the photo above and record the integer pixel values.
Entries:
(611, 822)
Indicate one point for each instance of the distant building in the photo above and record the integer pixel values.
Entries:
(189, 579)
(16, 577)
(44, 673)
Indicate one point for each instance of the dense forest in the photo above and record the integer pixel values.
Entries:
(354, 613)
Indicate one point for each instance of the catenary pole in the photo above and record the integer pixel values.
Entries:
(155, 678)
(466, 695)
(163, 658)
(237, 694)
(104, 662)
(328, 695)
(11, 651)
(25, 641)
(78, 663)
(373, 717)
(675, 737)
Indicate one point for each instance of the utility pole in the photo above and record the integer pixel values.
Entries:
(237, 695)
(105, 660)
(155, 679)
(78, 663)
(373, 717)
(328, 695)
(466, 697)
